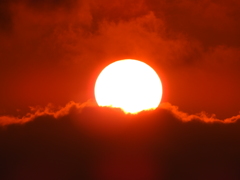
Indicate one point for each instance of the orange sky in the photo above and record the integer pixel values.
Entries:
(51, 53)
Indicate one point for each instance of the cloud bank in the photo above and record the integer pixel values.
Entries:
(89, 142)
(60, 112)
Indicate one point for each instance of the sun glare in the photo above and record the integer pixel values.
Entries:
(128, 84)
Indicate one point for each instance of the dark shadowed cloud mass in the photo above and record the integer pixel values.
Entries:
(90, 142)
(83, 141)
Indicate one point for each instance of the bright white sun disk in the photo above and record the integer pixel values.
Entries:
(130, 85)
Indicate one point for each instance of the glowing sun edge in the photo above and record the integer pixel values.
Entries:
(112, 81)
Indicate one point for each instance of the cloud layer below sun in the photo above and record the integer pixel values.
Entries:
(89, 142)
(73, 108)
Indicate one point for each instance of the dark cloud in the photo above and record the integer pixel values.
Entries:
(52, 4)
(5, 17)
(7, 12)
(211, 22)
(117, 11)
(89, 142)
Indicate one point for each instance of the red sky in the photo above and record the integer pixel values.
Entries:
(52, 51)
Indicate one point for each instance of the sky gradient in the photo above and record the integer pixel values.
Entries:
(52, 51)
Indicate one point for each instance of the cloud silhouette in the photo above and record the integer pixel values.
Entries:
(89, 142)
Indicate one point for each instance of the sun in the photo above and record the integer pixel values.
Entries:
(128, 84)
